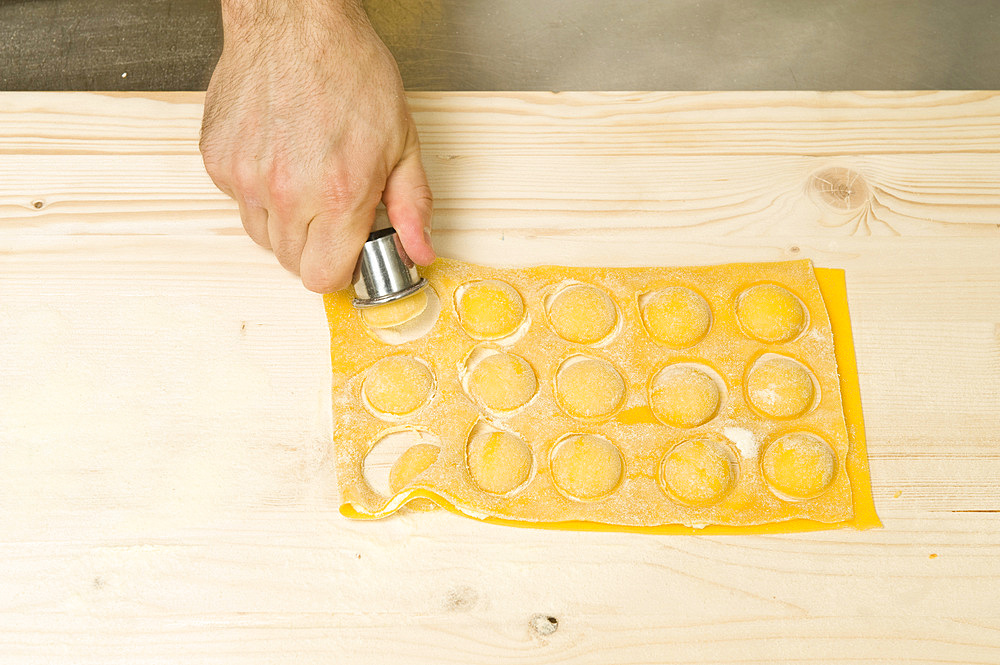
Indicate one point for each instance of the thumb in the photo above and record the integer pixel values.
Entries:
(409, 203)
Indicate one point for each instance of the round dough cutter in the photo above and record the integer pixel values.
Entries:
(384, 272)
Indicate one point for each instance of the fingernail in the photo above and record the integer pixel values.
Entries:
(427, 237)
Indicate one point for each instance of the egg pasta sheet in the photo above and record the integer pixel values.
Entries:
(719, 399)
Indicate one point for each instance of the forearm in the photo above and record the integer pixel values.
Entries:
(242, 15)
(313, 28)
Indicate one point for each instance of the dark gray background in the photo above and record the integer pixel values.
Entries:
(539, 44)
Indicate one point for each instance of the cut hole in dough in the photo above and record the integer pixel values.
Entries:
(396, 312)
(676, 317)
(403, 320)
(397, 385)
(588, 387)
(770, 313)
(502, 382)
(582, 314)
(699, 472)
(586, 467)
(798, 466)
(685, 395)
(498, 462)
(489, 309)
(397, 457)
(780, 387)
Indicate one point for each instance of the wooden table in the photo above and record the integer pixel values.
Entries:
(166, 487)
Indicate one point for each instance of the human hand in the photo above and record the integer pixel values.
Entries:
(306, 126)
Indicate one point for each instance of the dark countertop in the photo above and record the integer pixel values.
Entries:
(536, 45)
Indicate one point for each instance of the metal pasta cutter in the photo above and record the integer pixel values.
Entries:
(384, 272)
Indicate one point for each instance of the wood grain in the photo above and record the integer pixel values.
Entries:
(165, 488)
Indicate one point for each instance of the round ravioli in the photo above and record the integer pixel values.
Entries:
(397, 385)
(780, 387)
(586, 467)
(413, 462)
(502, 381)
(799, 466)
(676, 317)
(582, 314)
(498, 462)
(395, 313)
(589, 387)
(770, 313)
(684, 396)
(490, 309)
(699, 472)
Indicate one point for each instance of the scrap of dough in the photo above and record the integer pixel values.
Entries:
(582, 314)
(413, 462)
(697, 472)
(490, 309)
(684, 396)
(502, 381)
(586, 467)
(498, 462)
(770, 313)
(799, 465)
(780, 387)
(677, 317)
(589, 387)
(395, 313)
(397, 385)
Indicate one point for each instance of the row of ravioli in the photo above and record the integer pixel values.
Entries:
(676, 316)
(694, 472)
(682, 394)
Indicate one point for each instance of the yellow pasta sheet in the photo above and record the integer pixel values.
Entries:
(719, 399)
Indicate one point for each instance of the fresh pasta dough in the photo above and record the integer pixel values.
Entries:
(660, 399)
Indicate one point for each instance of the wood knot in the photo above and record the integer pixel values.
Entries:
(37, 204)
(543, 624)
(461, 599)
(840, 188)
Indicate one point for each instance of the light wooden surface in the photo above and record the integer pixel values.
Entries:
(166, 489)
